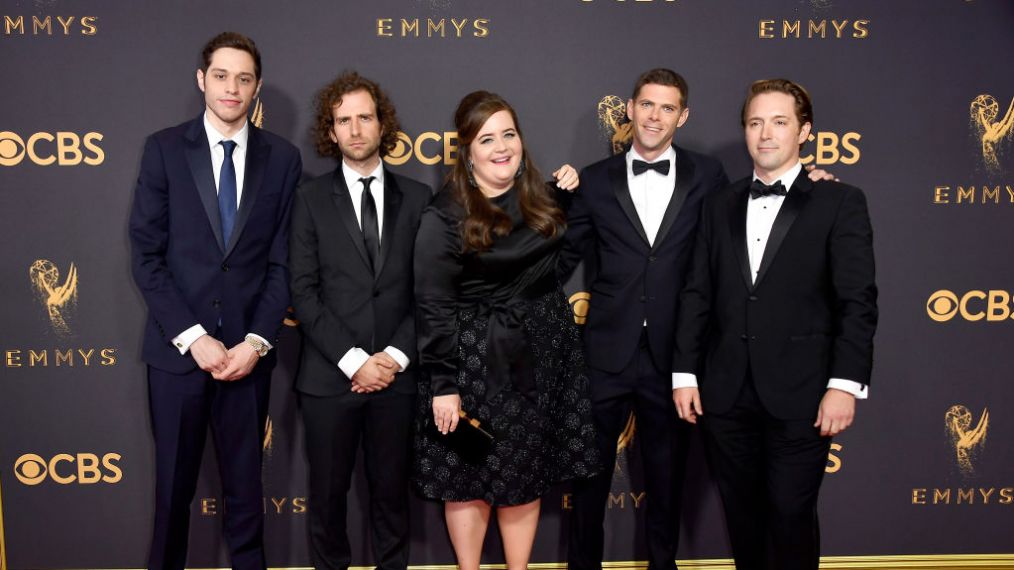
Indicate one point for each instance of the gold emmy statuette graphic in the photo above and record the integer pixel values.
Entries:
(269, 435)
(257, 116)
(58, 299)
(613, 121)
(964, 440)
(3, 545)
(579, 304)
(984, 111)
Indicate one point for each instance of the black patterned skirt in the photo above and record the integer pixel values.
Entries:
(541, 436)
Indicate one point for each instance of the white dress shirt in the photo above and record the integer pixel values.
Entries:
(353, 360)
(651, 191)
(186, 338)
(760, 217)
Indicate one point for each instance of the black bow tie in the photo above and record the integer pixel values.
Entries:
(759, 189)
(661, 167)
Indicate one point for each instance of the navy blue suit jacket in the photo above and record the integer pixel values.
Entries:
(185, 271)
(636, 281)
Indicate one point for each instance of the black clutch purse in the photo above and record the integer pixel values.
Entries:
(469, 440)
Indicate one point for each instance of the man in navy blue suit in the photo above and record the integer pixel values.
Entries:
(209, 235)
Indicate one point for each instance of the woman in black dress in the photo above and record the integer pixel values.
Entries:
(497, 339)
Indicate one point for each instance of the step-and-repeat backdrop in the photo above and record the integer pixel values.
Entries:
(914, 103)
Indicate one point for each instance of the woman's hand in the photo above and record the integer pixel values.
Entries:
(445, 412)
(566, 178)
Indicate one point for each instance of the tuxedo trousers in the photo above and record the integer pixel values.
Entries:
(335, 427)
(662, 443)
(183, 406)
(769, 472)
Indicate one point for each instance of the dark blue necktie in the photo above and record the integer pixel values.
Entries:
(227, 191)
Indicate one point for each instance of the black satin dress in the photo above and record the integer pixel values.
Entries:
(496, 329)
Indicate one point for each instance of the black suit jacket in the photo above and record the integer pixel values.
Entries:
(184, 270)
(339, 301)
(809, 317)
(635, 280)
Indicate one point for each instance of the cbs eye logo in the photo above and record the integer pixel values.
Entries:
(428, 148)
(992, 306)
(44, 149)
(65, 469)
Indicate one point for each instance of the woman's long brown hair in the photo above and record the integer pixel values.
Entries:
(483, 220)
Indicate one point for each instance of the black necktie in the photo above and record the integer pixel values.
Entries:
(371, 233)
(661, 167)
(759, 189)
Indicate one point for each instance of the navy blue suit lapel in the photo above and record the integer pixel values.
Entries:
(737, 227)
(257, 155)
(392, 204)
(199, 160)
(347, 213)
(618, 180)
(794, 203)
(684, 176)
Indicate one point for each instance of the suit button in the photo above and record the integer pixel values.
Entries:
(651, 259)
(216, 303)
(743, 336)
(376, 293)
(643, 298)
(753, 297)
(225, 267)
(753, 337)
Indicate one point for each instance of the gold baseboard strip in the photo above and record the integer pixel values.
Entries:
(899, 562)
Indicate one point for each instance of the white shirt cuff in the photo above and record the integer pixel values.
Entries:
(398, 357)
(353, 360)
(683, 380)
(262, 340)
(183, 340)
(860, 391)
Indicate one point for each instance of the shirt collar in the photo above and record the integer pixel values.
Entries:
(351, 176)
(215, 137)
(787, 178)
(669, 154)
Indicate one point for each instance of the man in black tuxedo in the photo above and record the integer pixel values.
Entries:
(350, 253)
(637, 214)
(776, 326)
(209, 236)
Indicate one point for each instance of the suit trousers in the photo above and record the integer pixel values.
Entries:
(335, 426)
(183, 406)
(642, 388)
(769, 472)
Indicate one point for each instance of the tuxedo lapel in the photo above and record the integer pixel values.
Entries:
(618, 180)
(684, 176)
(794, 203)
(347, 213)
(257, 155)
(737, 227)
(199, 160)
(392, 204)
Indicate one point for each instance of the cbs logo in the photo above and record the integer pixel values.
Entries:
(64, 468)
(44, 149)
(992, 305)
(828, 145)
(427, 148)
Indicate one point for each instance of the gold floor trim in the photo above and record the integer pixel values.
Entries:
(901, 562)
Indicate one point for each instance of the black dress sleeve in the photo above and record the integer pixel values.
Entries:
(437, 267)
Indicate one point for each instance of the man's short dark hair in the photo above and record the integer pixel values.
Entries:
(803, 106)
(666, 77)
(231, 40)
